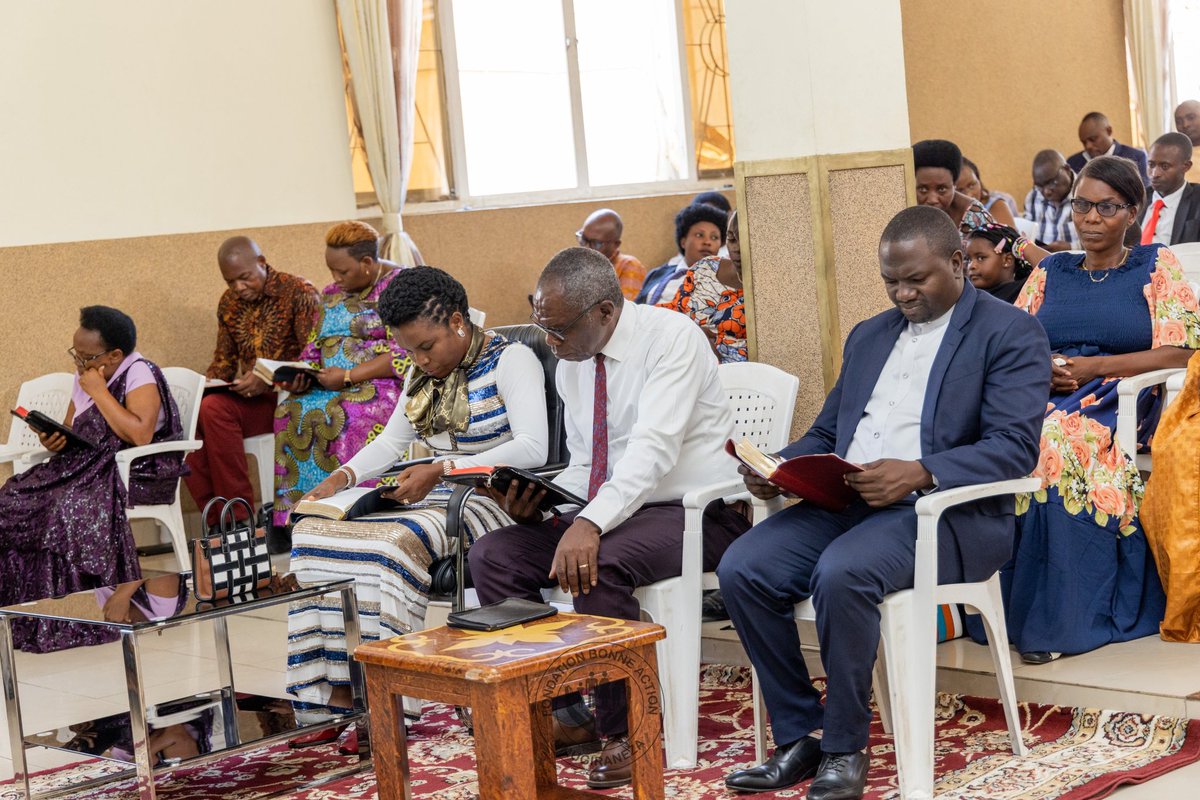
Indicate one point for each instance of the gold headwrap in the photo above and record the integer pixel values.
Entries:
(439, 405)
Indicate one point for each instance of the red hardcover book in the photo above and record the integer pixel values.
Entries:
(817, 479)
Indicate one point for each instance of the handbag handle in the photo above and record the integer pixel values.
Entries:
(229, 519)
(209, 505)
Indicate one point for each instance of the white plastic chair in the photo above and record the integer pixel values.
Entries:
(477, 317)
(763, 399)
(49, 394)
(1127, 394)
(905, 683)
(187, 387)
(262, 447)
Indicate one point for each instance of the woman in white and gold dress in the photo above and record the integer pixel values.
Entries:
(475, 399)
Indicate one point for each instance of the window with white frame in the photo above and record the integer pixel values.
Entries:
(567, 97)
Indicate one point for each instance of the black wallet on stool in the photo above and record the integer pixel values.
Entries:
(496, 616)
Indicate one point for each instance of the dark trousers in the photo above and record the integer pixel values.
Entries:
(219, 468)
(847, 562)
(648, 547)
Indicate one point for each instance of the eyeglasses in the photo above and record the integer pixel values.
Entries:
(1104, 208)
(1044, 185)
(83, 361)
(594, 244)
(560, 333)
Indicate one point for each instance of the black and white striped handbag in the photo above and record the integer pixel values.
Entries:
(232, 562)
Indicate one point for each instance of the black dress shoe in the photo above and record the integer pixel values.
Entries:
(786, 766)
(841, 776)
(1039, 657)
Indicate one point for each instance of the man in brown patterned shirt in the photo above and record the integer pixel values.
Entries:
(263, 314)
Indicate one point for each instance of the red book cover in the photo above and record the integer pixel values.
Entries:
(817, 479)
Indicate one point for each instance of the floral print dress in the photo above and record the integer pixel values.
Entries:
(714, 305)
(1082, 574)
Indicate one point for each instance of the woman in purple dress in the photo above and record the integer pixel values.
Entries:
(62, 523)
(326, 420)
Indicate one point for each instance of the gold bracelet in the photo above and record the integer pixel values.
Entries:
(447, 465)
(346, 381)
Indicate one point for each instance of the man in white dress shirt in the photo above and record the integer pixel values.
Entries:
(646, 421)
(1172, 215)
(944, 390)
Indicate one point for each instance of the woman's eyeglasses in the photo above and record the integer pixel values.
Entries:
(82, 361)
(1104, 208)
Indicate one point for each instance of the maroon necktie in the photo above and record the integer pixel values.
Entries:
(1152, 224)
(599, 430)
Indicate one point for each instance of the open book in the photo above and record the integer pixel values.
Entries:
(282, 371)
(500, 477)
(46, 425)
(353, 503)
(817, 479)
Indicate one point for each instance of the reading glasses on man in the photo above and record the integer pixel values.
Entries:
(1104, 208)
(82, 360)
(559, 333)
(594, 244)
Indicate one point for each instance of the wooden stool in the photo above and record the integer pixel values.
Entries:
(509, 678)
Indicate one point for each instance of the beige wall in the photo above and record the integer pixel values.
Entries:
(1004, 80)
(143, 117)
(170, 284)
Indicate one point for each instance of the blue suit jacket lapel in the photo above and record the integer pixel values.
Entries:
(941, 362)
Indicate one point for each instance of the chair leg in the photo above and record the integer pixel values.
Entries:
(760, 719)
(172, 520)
(883, 698)
(679, 654)
(911, 680)
(997, 634)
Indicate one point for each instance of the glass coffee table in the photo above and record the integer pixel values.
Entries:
(207, 726)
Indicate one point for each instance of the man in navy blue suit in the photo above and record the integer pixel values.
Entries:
(1095, 134)
(946, 389)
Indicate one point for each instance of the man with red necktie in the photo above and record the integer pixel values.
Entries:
(1173, 215)
(646, 420)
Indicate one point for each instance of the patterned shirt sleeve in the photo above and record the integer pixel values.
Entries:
(306, 309)
(1172, 301)
(225, 357)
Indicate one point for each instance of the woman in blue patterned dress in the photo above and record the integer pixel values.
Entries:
(475, 399)
(1082, 574)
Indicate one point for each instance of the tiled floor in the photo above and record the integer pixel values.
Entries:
(59, 688)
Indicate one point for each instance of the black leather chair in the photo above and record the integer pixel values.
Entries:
(556, 459)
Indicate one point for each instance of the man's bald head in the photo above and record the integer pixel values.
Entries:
(243, 267)
(1187, 120)
(602, 231)
(238, 248)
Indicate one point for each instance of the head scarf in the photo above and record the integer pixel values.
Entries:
(439, 405)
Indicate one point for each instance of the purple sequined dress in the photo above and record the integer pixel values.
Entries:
(63, 527)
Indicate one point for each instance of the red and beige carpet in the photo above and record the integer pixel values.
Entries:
(1075, 754)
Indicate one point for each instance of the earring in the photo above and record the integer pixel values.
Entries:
(461, 332)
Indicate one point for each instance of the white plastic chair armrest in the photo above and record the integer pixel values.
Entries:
(125, 458)
(933, 505)
(1131, 386)
(31, 457)
(698, 499)
(694, 503)
(11, 454)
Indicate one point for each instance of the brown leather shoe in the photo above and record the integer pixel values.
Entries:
(575, 740)
(614, 766)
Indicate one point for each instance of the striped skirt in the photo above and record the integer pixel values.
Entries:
(389, 561)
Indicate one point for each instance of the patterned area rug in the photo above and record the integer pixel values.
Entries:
(1075, 754)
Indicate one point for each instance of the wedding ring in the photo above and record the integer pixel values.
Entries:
(583, 566)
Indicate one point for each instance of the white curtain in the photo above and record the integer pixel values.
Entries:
(382, 40)
(1146, 39)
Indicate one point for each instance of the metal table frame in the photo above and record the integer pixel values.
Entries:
(131, 634)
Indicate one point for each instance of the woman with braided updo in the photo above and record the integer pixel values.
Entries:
(324, 422)
(472, 397)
